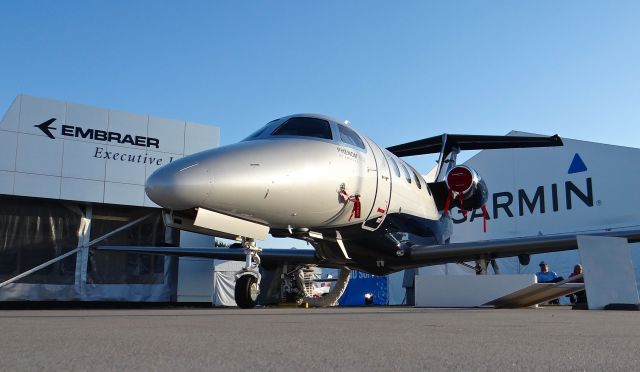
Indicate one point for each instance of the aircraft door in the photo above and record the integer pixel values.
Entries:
(382, 199)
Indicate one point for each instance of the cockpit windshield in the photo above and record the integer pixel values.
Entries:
(259, 132)
(304, 127)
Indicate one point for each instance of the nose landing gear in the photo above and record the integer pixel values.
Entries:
(248, 279)
(246, 291)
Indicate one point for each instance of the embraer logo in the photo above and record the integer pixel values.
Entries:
(46, 127)
(98, 135)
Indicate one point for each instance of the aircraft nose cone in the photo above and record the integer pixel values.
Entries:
(179, 185)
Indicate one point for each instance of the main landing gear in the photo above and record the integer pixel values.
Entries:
(305, 285)
(248, 279)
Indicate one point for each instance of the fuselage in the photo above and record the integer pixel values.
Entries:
(310, 173)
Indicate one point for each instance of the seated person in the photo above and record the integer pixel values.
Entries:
(546, 276)
(578, 297)
(577, 270)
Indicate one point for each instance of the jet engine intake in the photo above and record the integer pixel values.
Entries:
(468, 189)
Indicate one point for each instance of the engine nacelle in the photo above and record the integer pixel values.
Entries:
(468, 189)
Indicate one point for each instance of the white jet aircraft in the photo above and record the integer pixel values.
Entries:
(359, 205)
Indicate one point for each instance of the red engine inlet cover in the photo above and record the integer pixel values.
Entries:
(459, 179)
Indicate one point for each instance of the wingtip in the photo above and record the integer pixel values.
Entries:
(556, 138)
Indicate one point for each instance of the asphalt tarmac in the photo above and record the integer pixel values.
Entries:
(277, 339)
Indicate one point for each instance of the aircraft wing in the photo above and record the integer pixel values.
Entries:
(417, 255)
(490, 249)
(444, 143)
(295, 256)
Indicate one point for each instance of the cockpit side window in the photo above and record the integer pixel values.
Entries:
(350, 137)
(304, 127)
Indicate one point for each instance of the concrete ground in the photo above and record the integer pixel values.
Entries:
(276, 339)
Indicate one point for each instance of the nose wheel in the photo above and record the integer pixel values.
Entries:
(246, 292)
(248, 279)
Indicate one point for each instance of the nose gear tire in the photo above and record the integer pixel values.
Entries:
(246, 292)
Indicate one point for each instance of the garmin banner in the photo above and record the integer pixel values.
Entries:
(579, 187)
(61, 150)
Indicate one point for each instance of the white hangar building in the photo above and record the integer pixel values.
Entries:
(71, 173)
(582, 187)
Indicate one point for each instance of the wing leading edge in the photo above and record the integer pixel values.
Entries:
(422, 255)
(294, 256)
(418, 255)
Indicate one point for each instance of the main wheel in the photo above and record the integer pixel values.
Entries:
(246, 291)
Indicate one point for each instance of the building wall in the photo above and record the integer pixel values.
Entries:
(61, 150)
(70, 173)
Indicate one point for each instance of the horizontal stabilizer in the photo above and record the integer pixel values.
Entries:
(446, 142)
(293, 256)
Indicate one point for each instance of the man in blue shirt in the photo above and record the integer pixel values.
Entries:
(546, 276)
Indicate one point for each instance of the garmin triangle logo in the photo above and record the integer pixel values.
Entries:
(45, 127)
(97, 135)
(577, 165)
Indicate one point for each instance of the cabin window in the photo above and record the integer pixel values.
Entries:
(405, 171)
(304, 127)
(394, 165)
(416, 177)
(350, 137)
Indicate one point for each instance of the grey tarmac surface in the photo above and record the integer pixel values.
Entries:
(276, 339)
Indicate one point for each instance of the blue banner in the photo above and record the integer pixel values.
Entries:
(361, 284)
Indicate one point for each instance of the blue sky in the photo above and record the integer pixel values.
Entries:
(398, 71)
